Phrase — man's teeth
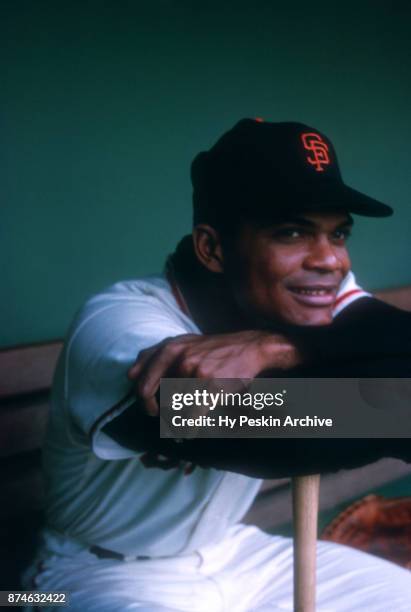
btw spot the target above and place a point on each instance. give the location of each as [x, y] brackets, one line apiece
[312, 291]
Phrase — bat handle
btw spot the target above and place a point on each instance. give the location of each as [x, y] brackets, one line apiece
[305, 492]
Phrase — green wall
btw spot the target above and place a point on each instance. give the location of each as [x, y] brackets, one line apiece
[104, 104]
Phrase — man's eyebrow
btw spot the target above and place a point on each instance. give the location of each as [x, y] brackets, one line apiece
[297, 221]
[348, 222]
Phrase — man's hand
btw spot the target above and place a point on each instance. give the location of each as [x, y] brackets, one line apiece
[237, 355]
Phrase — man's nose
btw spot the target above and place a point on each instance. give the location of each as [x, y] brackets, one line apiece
[322, 255]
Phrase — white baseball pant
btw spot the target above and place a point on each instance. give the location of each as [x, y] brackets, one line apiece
[248, 570]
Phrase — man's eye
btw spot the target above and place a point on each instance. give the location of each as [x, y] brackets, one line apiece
[341, 234]
[289, 233]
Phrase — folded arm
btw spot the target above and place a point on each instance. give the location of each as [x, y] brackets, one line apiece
[355, 345]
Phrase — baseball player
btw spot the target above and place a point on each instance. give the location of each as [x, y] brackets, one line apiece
[264, 285]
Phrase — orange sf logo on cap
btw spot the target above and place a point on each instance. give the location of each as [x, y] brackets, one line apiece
[318, 149]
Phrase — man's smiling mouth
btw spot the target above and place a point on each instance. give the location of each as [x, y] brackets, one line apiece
[315, 295]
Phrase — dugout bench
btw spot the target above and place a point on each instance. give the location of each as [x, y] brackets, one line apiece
[25, 379]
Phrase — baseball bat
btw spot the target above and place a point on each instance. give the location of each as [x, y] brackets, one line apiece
[305, 494]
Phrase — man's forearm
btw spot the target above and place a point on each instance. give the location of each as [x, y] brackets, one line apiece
[367, 330]
[259, 458]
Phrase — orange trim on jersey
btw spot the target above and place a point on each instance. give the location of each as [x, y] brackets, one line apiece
[344, 296]
[106, 413]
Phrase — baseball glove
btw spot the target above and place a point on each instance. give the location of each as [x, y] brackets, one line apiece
[377, 525]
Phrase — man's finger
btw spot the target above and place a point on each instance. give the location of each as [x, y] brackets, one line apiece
[141, 361]
[155, 368]
[147, 353]
[151, 406]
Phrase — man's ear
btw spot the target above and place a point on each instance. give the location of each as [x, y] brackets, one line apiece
[207, 245]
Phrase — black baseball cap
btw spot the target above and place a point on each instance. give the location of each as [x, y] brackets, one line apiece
[262, 170]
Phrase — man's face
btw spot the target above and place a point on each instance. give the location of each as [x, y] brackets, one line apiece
[290, 271]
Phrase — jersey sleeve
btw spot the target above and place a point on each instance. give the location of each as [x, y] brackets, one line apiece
[107, 340]
[367, 339]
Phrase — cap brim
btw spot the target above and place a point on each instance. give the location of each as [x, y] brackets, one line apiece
[361, 204]
[340, 197]
[269, 203]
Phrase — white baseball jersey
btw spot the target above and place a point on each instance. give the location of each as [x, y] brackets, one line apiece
[193, 555]
[100, 493]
